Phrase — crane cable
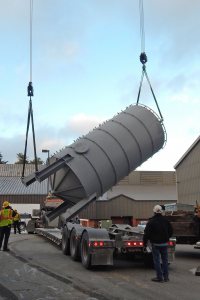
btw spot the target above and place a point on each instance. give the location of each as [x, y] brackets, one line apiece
[30, 109]
[143, 58]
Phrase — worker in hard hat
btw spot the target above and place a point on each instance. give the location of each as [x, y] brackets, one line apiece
[158, 231]
[16, 221]
[5, 225]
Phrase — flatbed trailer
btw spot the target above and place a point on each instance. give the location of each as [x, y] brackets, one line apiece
[53, 234]
[98, 246]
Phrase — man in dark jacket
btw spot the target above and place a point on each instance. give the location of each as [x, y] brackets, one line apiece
[158, 231]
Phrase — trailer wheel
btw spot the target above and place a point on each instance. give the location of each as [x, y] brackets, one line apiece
[65, 241]
[85, 255]
[22, 226]
[74, 246]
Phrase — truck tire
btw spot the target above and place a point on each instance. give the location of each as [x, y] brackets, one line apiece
[65, 241]
[74, 245]
[22, 226]
[30, 227]
[85, 255]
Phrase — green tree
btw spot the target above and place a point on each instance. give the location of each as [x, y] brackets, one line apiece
[1, 159]
[20, 157]
[39, 161]
[20, 160]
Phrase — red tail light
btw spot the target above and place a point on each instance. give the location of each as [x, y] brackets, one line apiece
[171, 243]
[133, 244]
[99, 244]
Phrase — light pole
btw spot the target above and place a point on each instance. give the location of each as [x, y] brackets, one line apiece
[47, 151]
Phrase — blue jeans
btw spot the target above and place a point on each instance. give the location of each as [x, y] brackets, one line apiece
[160, 259]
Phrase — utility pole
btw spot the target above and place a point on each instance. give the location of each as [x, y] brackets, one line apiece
[47, 151]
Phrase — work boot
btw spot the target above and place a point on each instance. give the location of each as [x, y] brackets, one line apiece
[6, 249]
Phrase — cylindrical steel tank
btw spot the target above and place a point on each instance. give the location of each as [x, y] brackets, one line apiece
[108, 153]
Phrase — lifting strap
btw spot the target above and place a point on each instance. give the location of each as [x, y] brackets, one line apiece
[143, 59]
[30, 109]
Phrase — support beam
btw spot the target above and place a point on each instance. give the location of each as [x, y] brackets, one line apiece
[69, 210]
[46, 171]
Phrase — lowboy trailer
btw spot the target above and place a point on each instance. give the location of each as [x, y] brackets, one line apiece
[98, 246]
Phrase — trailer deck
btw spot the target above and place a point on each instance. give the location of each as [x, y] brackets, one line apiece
[53, 234]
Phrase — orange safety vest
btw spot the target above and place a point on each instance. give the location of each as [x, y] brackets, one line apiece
[5, 217]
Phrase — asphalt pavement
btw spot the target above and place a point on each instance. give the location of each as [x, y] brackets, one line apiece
[36, 269]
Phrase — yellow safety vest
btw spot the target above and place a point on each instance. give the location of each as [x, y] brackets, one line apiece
[5, 217]
[16, 217]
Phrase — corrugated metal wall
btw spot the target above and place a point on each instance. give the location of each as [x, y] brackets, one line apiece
[149, 178]
[12, 189]
[15, 170]
[24, 199]
[119, 207]
[188, 177]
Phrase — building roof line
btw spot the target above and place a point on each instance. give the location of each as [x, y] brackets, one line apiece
[132, 199]
[187, 152]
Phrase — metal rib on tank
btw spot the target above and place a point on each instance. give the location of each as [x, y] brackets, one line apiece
[108, 153]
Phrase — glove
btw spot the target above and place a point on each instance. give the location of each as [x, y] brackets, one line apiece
[145, 249]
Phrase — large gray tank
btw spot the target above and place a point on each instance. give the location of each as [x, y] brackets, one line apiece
[98, 160]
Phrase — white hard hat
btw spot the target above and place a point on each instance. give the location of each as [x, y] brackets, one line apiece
[157, 209]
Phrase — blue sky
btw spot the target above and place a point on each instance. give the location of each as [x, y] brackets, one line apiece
[86, 68]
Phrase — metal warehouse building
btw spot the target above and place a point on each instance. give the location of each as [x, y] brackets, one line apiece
[14, 191]
[134, 197]
[188, 175]
[131, 200]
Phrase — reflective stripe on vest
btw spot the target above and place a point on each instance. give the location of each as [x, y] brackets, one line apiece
[5, 217]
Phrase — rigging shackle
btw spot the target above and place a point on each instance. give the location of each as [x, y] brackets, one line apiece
[30, 89]
[143, 58]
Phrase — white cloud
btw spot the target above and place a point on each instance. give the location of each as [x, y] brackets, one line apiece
[81, 123]
[185, 97]
[82, 50]
[49, 137]
[166, 158]
[66, 50]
